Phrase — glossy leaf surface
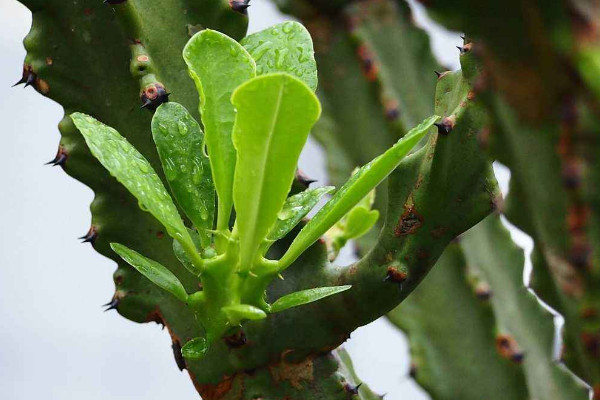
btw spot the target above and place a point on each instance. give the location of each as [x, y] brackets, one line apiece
[180, 144]
[275, 113]
[306, 296]
[218, 64]
[155, 272]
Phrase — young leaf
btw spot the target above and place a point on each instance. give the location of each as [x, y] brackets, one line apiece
[294, 209]
[305, 296]
[195, 349]
[218, 64]
[275, 113]
[241, 312]
[180, 144]
[359, 221]
[130, 168]
[155, 272]
[353, 191]
[285, 47]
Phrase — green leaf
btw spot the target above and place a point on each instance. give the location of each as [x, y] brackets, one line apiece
[155, 272]
[306, 296]
[353, 191]
[218, 65]
[294, 209]
[285, 47]
[180, 144]
[130, 168]
[195, 349]
[274, 116]
[359, 221]
[240, 312]
[182, 255]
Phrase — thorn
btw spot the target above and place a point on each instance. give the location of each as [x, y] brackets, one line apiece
[179, 360]
[22, 80]
[90, 236]
[30, 80]
[303, 180]
[112, 304]
[153, 96]
[352, 389]
[114, 2]
[461, 49]
[60, 158]
[240, 6]
[446, 126]
[438, 74]
[412, 372]
[395, 275]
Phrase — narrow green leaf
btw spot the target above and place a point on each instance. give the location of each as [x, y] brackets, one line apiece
[274, 116]
[180, 144]
[353, 191]
[294, 209]
[195, 349]
[130, 168]
[306, 296]
[241, 312]
[218, 65]
[285, 47]
[155, 272]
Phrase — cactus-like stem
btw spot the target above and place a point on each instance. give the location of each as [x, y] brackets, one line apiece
[544, 110]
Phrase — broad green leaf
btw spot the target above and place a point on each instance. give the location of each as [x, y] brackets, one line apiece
[275, 113]
[155, 272]
[195, 349]
[353, 191]
[218, 65]
[180, 144]
[294, 209]
[182, 255]
[130, 168]
[285, 47]
[305, 296]
[241, 312]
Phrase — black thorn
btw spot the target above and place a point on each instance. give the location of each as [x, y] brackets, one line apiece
[59, 159]
[240, 6]
[179, 360]
[461, 49]
[153, 96]
[352, 389]
[30, 80]
[113, 2]
[112, 304]
[90, 236]
[438, 74]
[304, 180]
[443, 128]
[21, 81]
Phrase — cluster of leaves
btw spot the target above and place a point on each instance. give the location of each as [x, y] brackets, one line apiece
[258, 106]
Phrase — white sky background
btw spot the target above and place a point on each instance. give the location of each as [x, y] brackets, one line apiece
[55, 341]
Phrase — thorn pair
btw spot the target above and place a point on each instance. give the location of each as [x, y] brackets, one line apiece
[59, 159]
[28, 77]
[90, 236]
[112, 304]
[114, 2]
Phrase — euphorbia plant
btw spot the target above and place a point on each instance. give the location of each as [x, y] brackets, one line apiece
[258, 106]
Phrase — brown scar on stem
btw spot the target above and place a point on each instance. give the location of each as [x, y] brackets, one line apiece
[410, 221]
